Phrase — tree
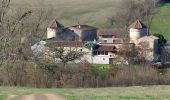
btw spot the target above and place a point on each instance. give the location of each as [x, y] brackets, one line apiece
[162, 40]
[4, 5]
[66, 56]
[19, 29]
[130, 10]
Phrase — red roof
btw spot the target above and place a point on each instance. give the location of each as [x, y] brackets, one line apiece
[54, 43]
[106, 32]
[137, 25]
[84, 27]
[55, 24]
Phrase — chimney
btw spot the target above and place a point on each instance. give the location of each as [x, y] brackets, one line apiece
[79, 26]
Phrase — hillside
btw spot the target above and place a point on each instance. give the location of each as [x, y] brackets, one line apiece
[113, 93]
[71, 12]
[161, 21]
[92, 12]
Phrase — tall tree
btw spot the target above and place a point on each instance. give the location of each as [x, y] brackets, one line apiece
[130, 10]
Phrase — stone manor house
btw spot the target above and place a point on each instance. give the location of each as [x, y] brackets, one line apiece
[106, 43]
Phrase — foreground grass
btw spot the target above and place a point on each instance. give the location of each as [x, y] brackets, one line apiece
[113, 93]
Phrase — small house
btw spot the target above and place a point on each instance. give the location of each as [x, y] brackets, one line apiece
[56, 30]
[149, 47]
[108, 36]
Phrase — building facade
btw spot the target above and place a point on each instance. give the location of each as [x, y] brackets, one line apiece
[137, 30]
[85, 32]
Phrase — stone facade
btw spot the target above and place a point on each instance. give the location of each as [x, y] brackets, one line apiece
[85, 32]
[137, 30]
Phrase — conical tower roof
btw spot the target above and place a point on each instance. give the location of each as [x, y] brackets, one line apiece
[55, 24]
[137, 25]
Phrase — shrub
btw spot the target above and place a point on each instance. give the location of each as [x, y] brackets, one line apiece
[85, 75]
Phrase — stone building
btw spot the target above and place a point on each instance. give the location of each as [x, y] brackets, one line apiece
[60, 33]
[150, 47]
[108, 53]
[107, 42]
[85, 32]
[137, 30]
[74, 33]
[109, 36]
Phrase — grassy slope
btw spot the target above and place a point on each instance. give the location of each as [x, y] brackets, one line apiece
[161, 22]
[92, 12]
[114, 93]
[71, 12]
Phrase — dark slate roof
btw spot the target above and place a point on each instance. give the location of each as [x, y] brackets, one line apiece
[104, 48]
[137, 25]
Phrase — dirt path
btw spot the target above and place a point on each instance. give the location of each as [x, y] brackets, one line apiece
[36, 97]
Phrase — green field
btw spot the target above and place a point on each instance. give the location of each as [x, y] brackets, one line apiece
[161, 22]
[113, 93]
[70, 12]
[92, 12]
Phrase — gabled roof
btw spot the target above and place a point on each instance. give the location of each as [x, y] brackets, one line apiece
[55, 24]
[148, 38]
[137, 25]
[104, 48]
[154, 37]
[83, 27]
[65, 44]
[106, 32]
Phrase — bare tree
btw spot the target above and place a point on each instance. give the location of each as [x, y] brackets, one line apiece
[18, 31]
[4, 5]
[130, 10]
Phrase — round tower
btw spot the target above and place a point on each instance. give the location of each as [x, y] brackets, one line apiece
[53, 28]
[51, 33]
[137, 30]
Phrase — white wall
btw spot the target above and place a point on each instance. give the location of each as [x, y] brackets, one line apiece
[51, 33]
[101, 59]
[109, 40]
[135, 34]
[151, 51]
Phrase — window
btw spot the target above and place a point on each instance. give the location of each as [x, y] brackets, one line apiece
[105, 41]
[107, 36]
[98, 53]
[114, 51]
[94, 52]
[106, 52]
[102, 53]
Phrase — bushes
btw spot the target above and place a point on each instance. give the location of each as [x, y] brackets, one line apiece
[86, 75]
[141, 76]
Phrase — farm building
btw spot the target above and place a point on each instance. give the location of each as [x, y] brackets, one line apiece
[73, 33]
[102, 46]
[149, 46]
[85, 32]
[109, 36]
[137, 30]
[57, 31]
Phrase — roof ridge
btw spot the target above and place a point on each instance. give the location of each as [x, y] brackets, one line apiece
[55, 24]
[137, 24]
